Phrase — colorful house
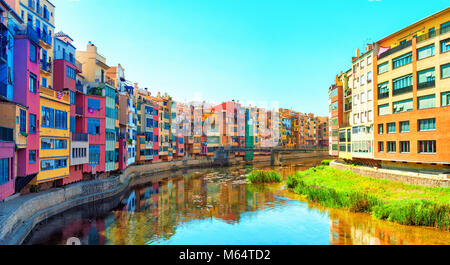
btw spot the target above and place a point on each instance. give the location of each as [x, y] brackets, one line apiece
[65, 71]
[26, 93]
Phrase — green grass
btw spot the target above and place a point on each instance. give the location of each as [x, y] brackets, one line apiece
[384, 199]
[325, 162]
[264, 176]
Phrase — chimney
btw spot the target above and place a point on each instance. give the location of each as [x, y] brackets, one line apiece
[369, 47]
[357, 53]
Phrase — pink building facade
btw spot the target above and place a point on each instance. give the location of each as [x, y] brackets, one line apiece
[26, 92]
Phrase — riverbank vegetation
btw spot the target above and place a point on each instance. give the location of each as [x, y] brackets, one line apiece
[384, 199]
[264, 176]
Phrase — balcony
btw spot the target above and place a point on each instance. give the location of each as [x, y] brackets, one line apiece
[348, 107]
[45, 37]
[28, 31]
[383, 95]
[402, 90]
[6, 134]
[395, 49]
[46, 66]
[80, 137]
[426, 85]
[55, 95]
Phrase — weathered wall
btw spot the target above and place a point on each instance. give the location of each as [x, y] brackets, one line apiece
[413, 178]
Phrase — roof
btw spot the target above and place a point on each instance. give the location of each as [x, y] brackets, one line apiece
[416, 24]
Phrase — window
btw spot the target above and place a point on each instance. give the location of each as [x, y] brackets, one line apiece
[60, 163]
[369, 77]
[445, 45]
[369, 95]
[427, 102]
[380, 128]
[94, 154]
[391, 147]
[404, 146]
[94, 103]
[72, 98]
[425, 52]
[427, 125]
[380, 147]
[32, 122]
[404, 126]
[383, 90]
[445, 71]
[402, 82]
[391, 127]
[32, 156]
[384, 67]
[402, 60]
[33, 83]
[334, 105]
[33, 53]
[427, 147]
[4, 170]
[60, 144]
[44, 82]
[60, 119]
[47, 165]
[47, 117]
[425, 77]
[149, 123]
[70, 72]
[23, 121]
[93, 126]
[383, 110]
[369, 60]
[445, 99]
[403, 106]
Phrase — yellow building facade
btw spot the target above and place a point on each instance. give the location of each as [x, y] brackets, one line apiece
[54, 138]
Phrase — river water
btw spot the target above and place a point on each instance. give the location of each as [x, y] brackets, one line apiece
[218, 207]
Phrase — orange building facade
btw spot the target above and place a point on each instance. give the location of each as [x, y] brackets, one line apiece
[412, 94]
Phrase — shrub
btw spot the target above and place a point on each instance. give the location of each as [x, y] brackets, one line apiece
[325, 162]
[264, 176]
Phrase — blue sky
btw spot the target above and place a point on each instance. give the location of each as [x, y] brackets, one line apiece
[255, 51]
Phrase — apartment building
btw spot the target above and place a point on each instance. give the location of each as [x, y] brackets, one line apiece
[335, 99]
[361, 87]
[412, 94]
[97, 102]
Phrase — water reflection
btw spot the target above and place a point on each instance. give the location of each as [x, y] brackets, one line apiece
[218, 207]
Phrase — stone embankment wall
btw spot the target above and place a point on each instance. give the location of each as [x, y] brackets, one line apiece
[20, 215]
[414, 178]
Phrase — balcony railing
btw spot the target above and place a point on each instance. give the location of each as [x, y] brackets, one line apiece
[426, 85]
[383, 95]
[395, 49]
[402, 90]
[46, 66]
[27, 30]
[45, 37]
[6, 134]
[80, 137]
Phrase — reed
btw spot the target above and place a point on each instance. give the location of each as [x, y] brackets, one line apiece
[264, 176]
[384, 199]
